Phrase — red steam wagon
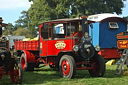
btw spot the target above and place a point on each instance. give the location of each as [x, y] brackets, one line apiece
[67, 49]
[8, 63]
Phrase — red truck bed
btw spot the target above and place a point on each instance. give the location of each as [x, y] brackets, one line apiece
[27, 45]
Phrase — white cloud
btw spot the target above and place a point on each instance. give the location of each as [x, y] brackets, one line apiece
[126, 2]
[10, 4]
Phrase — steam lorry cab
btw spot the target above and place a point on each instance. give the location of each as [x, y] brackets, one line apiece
[67, 51]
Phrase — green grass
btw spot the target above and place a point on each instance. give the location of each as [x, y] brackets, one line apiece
[47, 76]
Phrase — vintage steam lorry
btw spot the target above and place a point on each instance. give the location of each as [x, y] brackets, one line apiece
[67, 51]
[8, 64]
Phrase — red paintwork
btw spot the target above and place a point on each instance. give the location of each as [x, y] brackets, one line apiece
[65, 67]
[29, 56]
[48, 46]
[122, 37]
[27, 45]
[50, 49]
[23, 63]
[109, 53]
[41, 41]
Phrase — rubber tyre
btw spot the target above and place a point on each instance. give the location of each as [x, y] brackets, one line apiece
[99, 66]
[26, 66]
[21, 74]
[67, 66]
[16, 73]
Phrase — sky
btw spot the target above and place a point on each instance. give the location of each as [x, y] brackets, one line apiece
[10, 10]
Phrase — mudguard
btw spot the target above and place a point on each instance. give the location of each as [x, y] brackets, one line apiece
[30, 57]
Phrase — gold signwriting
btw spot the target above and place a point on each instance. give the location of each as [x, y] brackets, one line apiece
[122, 44]
[60, 45]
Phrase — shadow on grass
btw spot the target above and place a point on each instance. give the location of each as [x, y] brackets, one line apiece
[49, 76]
[85, 74]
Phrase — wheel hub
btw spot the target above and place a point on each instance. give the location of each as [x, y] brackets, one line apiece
[65, 67]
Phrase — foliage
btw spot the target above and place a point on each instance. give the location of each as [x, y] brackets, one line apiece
[24, 22]
[23, 32]
[18, 30]
[126, 17]
[44, 10]
[9, 29]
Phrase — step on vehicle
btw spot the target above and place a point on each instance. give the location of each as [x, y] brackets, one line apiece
[63, 44]
[8, 64]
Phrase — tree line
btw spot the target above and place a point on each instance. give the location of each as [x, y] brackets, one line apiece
[44, 10]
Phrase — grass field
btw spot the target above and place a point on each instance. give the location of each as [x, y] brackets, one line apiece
[47, 76]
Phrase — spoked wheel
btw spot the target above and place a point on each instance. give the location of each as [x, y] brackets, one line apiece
[67, 66]
[98, 66]
[16, 73]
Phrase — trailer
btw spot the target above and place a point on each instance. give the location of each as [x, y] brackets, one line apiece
[106, 27]
[67, 51]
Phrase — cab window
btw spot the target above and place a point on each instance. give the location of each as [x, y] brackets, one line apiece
[44, 31]
[58, 31]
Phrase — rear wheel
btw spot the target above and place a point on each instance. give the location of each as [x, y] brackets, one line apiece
[98, 66]
[16, 73]
[67, 66]
[26, 65]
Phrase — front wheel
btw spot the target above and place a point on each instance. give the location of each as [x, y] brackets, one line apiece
[98, 65]
[67, 66]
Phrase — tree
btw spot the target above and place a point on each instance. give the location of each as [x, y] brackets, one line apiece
[8, 30]
[126, 17]
[24, 22]
[44, 10]
[23, 32]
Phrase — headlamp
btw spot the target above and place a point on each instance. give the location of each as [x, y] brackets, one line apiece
[75, 48]
[97, 48]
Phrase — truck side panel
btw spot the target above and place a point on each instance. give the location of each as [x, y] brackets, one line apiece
[27, 45]
[50, 47]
